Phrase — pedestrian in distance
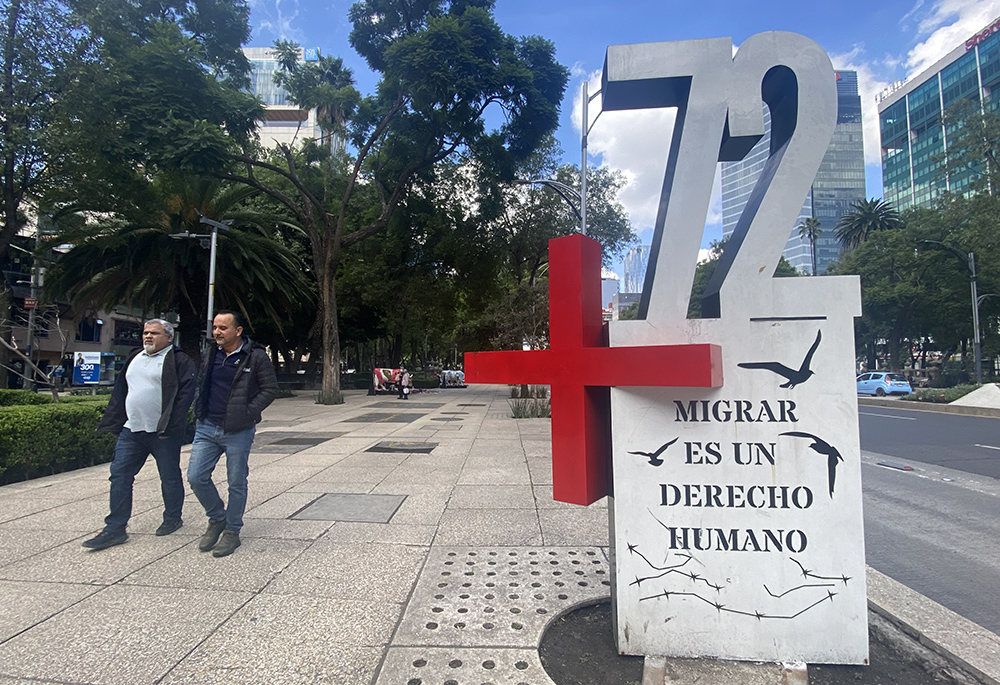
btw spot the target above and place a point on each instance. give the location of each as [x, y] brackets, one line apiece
[148, 412]
[236, 383]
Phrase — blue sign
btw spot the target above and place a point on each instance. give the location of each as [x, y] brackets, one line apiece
[311, 54]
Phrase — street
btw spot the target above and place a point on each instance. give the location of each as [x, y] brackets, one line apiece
[934, 528]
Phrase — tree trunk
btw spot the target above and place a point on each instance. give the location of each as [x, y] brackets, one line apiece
[330, 389]
[5, 331]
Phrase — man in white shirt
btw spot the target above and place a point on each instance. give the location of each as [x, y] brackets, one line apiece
[148, 412]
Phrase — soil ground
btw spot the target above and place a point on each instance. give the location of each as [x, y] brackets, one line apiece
[579, 649]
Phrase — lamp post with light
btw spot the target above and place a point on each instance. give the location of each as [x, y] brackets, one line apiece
[969, 262]
[213, 239]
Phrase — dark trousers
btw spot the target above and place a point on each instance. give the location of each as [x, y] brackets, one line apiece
[131, 451]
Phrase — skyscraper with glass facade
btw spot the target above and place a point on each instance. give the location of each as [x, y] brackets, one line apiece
[839, 183]
[914, 136]
[284, 123]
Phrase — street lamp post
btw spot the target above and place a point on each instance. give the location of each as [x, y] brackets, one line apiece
[213, 242]
[969, 262]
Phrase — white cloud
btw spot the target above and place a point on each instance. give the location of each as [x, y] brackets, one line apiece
[947, 24]
[278, 18]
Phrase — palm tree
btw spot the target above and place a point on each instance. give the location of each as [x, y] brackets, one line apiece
[865, 218]
[810, 230]
[134, 261]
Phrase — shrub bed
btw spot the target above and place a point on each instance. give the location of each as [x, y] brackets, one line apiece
[9, 398]
[940, 395]
[46, 438]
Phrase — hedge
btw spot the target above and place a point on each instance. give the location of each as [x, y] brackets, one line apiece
[42, 439]
[9, 398]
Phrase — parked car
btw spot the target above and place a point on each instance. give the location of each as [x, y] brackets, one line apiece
[882, 384]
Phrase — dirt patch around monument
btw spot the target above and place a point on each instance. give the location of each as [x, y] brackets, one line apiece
[579, 649]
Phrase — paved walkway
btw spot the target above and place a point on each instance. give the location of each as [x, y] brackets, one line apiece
[456, 587]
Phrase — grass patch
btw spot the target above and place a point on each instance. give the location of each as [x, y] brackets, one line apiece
[530, 408]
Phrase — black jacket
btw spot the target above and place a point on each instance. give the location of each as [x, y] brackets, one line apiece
[254, 387]
[177, 385]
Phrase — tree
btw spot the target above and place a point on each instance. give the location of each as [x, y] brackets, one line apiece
[135, 260]
[443, 66]
[865, 218]
[704, 271]
[973, 155]
[810, 230]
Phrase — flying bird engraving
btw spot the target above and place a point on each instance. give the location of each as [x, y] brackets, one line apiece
[822, 447]
[654, 457]
[794, 377]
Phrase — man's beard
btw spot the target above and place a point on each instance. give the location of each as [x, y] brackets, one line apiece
[149, 347]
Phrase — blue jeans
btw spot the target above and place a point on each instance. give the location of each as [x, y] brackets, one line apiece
[210, 441]
[131, 451]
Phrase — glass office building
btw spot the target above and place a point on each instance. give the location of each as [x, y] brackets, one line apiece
[284, 123]
[913, 134]
[839, 183]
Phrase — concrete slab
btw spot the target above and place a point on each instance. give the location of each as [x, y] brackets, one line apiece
[281, 506]
[29, 603]
[82, 516]
[492, 497]
[392, 533]
[119, 635]
[367, 508]
[71, 563]
[285, 530]
[295, 640]
[15, 545]
[514, 527]
[563, 527]
[377, 572]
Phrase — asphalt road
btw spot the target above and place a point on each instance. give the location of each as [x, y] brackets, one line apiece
[935, 528]
[966, 443]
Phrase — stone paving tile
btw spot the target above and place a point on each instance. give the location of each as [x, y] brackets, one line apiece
[540, 470]
[471, 665]
[83, 516]
[251, 567]
[419, 508]
[119, 635]
[284, 530]
[376, 572]
[499, 475]
[588, 527]
[281, 506]
[295, 640]
[16, 545]
[15, 506]
[279, 472]
[27, 603]
[343, 445]
[489, 527]
[492, 497]
[71, 563]
[543, 500]
[391, 533]
[320, 487]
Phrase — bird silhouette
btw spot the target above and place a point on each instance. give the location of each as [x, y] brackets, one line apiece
[823, 447]
[794, 377]
[654, 457]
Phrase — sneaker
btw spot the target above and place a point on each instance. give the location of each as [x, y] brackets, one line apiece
[228, 544]
[105, 539]
[169, 526]
[211, 535]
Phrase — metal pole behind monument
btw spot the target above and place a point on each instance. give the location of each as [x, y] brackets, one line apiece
[583, 161]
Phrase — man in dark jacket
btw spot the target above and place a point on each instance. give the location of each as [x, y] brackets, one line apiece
[148, 412]
[236, 383]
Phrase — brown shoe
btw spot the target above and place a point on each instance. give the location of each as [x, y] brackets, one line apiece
[211, 535]
[228, 544]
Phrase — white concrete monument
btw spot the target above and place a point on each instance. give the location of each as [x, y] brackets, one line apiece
[737, 514]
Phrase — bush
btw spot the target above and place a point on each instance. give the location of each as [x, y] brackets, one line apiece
[50, 438]
[10, 398]
[530, 408]
[940, 395]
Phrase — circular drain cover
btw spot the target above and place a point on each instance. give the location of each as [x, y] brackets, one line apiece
[587, 631]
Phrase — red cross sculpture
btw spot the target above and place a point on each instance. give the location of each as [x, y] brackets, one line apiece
[580, 367]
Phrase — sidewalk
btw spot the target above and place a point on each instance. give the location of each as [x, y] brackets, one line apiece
[457, 586]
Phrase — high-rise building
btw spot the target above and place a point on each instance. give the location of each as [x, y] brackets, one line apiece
[914, 137]
[284, 123]
[635, 269]
[839, 183]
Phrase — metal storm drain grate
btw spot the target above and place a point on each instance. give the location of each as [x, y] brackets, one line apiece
[351, 507]
[477, 614]
[446, 418]
[472, 405]
[385, 417]
[404, 447]
[410, 404]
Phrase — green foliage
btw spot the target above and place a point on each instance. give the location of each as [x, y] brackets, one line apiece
[531, 408]
[630, 313]
[705, 270]
[940, 395]
[37, 440]
[866, 218]
[9, 398]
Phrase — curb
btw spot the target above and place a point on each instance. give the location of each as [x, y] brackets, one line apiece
[986, 412]
[957, 639]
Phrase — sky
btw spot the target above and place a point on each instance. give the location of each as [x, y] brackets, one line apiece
[883, 40]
